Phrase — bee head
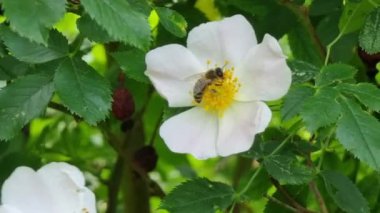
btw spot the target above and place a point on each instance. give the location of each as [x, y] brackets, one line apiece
[219, 72]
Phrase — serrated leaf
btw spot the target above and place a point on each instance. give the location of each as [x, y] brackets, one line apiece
[345, 194]
[366, 93]
[172, 21]
[33, 19]
[369, 38]
[294, 100]
[23, 100]
[321, 109]
[120, 20]
[335, 73]
[142, 6]
[287, 170]
[10, 68]
[31, 52]
[132, 62]
[83, 90]
[359, 133]
[90, 29]
[198, 195]
[302, 71]
[353, 16]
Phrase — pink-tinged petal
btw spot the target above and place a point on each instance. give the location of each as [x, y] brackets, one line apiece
[218, 41]
[264, 74]
[239, 125]
[169, 68]
[65, 183]
[193, 131]
[8, 209]
[26, 191]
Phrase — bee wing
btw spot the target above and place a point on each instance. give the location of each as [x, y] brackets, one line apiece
[194, 77]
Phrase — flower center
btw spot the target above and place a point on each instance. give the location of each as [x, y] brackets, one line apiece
[220, 92]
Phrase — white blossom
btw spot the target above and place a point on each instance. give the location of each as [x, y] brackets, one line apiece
[231, 111]
[54, 188]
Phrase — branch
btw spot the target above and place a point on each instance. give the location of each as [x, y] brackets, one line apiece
[279, 202]
[114, 185]
[291, 200]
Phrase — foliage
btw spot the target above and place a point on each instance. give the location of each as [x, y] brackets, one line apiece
[61, 61]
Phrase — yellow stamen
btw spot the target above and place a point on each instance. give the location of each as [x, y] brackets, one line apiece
[219, 95]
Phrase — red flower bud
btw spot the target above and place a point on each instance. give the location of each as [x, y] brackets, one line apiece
[145, 158]
[123, 105]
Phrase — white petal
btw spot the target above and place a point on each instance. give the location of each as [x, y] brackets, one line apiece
[239, 125]
[168, 68]
[87, 201]
[218, 41]
[8, 209]
[26, 191]
[264, 74]
[193, 131]
[65, 183]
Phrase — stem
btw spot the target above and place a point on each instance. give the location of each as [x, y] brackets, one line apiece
[318, 196]
[314, 188]
[291, 200]
[245, 189]
[341, 33]
[330, 45]
[324, 144]
[114, 185]
[279, 202]
[156, 127]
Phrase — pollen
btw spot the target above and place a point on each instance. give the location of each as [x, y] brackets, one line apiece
[219, 95]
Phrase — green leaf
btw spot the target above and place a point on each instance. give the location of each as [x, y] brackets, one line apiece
[294, 100]
[366, 93]
[90, 29]
[324, 7]
[359, 133]
[287, 170]
[345, 194]
[132, 62]
[120, 20]
[198, 195]
[369, 38]
[23, 100]
[31, 52]
[10, 68]
[172, 21]
[33, 19]
[83, 90]
[354, 15]
[302, 71]
[335, 73]
[321, 109]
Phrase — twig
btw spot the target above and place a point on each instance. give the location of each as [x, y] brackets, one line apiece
[279, 202]
[155, 131]
[291, 200]
[314, 188]
[322, 206]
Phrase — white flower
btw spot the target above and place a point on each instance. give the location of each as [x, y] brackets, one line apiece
[231, 111]
[54, 188]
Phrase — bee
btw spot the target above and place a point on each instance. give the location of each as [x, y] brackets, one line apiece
[202, 83]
